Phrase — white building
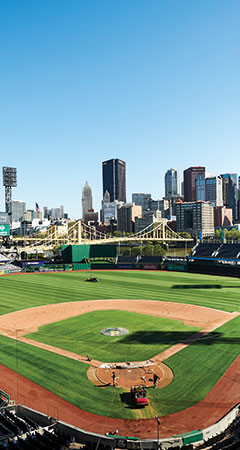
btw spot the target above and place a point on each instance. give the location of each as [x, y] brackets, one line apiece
[214, 190]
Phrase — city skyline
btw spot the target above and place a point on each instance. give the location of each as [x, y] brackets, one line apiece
[208, 178]
[156, 85]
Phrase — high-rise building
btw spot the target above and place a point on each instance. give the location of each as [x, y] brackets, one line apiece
[172, 183]
[126, 215]
[200, 189]
[143, 200]
[53, 213]
[109, 209]
[222, 216]
[230, 192]
[190, 176]
[18, 210]
[30, 214]
[86, 200]
[196, 218]
[114, 179]
[213, 190]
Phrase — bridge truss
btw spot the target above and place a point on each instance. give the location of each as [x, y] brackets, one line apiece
[81, 233]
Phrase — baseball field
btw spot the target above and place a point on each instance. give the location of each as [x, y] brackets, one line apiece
[151, 305]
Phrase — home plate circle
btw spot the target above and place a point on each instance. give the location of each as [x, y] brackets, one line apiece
[129, 373]
[114, 331]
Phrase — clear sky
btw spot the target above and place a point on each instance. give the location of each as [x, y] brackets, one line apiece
[155, 83]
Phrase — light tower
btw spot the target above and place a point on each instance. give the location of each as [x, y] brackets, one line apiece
[9, 181]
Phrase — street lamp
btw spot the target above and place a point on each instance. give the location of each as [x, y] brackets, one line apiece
[158, 423]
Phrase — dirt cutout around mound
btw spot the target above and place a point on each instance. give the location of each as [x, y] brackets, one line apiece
[208, 411]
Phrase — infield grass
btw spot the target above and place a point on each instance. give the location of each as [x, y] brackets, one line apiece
[148, 335]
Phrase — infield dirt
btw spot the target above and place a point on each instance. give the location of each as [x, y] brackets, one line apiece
[203, 414]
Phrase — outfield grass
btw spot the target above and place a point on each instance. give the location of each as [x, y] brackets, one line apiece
[148, 335]
[196, 368]
[25, 291]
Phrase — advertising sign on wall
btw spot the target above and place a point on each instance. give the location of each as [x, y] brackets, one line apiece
[126, 266]
[4, 230]
[150, 266]
[4, 218]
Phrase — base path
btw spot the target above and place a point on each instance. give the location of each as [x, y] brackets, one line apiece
[26, 321]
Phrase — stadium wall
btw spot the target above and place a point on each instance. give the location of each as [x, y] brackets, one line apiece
[112, 442]
[77, 253]
[214, 268]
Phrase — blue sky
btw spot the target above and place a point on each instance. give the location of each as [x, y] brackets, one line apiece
[155, 83]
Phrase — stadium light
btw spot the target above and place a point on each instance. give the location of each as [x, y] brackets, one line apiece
[9, 176]
[9, 181]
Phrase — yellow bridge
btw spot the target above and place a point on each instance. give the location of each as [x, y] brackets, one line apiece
[80, 233]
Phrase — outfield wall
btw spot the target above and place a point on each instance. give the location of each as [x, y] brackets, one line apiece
[79, 253]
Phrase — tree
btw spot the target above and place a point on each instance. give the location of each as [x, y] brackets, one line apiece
[125, 250]
[233, 234]
[117, 233]
[136, 251]
[148, 250]
[218, 233]
[158, 250]
[185, 235]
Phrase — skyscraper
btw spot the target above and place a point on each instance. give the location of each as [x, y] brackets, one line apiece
[200, 189]
[86, 200]
[114, 179]
[230, 193]
[172, 183]
[190, 176]
[18, 210]
[213, 190]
